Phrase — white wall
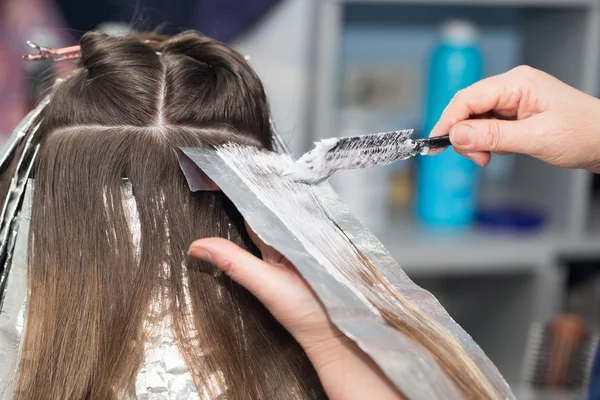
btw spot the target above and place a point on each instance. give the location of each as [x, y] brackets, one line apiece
[279, 50]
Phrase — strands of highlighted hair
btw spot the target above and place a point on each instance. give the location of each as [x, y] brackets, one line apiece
[300, 210]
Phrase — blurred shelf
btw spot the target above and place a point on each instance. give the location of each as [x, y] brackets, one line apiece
[422, 252]
[481, 3]
[587, 247]
[594, 217]
[523, 392]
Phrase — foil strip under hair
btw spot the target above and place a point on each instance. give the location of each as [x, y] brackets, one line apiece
[12, 314]
[163, 374]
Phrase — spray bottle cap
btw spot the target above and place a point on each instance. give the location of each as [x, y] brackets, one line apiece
[459, 32]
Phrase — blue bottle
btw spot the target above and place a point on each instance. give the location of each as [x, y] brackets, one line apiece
[447, 183]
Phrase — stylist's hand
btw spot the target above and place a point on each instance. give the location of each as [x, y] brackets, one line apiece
[345, 371]
[524, 111]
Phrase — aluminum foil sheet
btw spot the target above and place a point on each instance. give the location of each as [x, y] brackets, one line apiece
[370, 246]
[382, 259]
[407, 364]
[10, 211]
[10, 207]
[12, 317]
[14, 231]
[163, 375]
[20, 131]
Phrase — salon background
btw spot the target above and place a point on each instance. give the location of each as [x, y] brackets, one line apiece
[527, 254]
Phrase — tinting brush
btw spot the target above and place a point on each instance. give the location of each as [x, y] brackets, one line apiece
[363, 151]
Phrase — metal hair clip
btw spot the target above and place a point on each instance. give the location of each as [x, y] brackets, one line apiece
[62, 54]
[51, 54]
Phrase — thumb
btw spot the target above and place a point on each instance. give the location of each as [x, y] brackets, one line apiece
[491, 135]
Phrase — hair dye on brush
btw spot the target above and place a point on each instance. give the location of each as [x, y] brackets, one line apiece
[362, 151]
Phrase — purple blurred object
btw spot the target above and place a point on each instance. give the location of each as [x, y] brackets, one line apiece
[20, 84]
[226, 19]
[510, 219]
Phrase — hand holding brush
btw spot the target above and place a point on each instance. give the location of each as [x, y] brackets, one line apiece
[521, 111]
[524, 111]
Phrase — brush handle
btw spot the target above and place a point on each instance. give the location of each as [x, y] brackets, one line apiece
[436, 142]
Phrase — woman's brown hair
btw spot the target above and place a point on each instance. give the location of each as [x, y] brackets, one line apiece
[103, 273]
[96, 280]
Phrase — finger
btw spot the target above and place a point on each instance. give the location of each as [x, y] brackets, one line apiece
[501, 153]
[268, 282]
[269, 254]
[481, 158]
[479, 98]
[435, 151]
[493, 135]
[500, 96]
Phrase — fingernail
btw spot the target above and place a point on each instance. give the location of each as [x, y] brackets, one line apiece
[434, 152]
[471, 156]
[197, 251]
[462, 135]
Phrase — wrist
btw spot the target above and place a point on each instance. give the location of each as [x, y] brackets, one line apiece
[347, 372]
[326, 351]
